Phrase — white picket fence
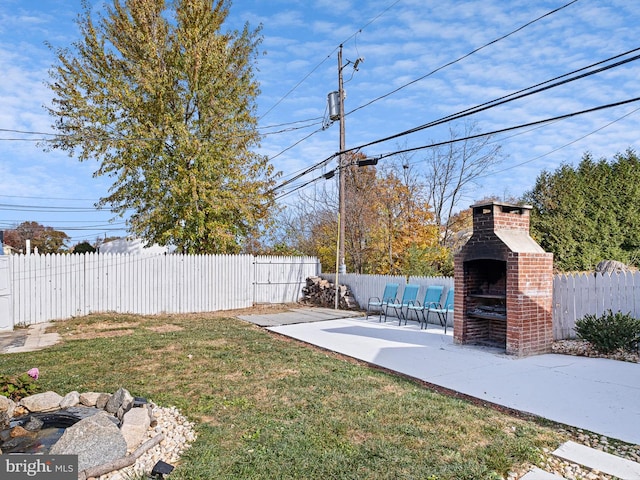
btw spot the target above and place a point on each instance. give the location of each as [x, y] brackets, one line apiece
[363, 287]
[575, 296]
[52, 287]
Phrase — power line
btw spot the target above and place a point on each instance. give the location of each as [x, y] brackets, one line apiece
[509, 98]
[279, 125]
[480, 135]
[537, 88]
[511, 167]
[313, 70]
[508, 129]
[44, 208]
[296, 143]
[50, 198]
[463, 57]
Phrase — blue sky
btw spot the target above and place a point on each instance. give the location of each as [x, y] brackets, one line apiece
[401, 41]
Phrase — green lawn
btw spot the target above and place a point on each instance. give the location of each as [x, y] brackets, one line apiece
[271, 408]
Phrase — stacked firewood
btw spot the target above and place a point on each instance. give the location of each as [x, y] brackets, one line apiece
[322, 293]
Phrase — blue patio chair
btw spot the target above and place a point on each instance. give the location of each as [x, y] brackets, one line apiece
[444, 309]
[408, 298]
[389, 295]
[431, 300]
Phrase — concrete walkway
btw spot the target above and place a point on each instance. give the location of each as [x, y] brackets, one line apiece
[28, 339]
[599, 395]
[298, 315]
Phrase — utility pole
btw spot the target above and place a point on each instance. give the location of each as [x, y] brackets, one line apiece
[336, 112]
[341, 172]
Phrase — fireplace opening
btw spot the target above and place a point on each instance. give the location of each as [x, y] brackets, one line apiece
[486, 291]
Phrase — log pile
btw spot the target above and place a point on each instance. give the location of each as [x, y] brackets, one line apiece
[322, 293]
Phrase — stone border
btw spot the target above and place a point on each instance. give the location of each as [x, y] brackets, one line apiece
[132, 434]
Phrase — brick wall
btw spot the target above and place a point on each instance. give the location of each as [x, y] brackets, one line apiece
[529, 303]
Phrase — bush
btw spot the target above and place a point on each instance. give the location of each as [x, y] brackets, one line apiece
[16, 387]
[609, 332]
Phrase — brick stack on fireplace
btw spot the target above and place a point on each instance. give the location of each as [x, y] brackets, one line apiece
[503, 284]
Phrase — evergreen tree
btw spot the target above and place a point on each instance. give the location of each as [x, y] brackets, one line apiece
[589, 213]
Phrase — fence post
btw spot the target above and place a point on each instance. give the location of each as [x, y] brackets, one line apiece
[6, 312]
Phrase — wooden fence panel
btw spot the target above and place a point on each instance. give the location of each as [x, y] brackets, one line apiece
[582, 294]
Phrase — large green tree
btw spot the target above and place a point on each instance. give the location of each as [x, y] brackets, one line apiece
[165, 101]
[589, 213]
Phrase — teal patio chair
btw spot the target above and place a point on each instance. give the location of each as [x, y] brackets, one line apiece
[431, 300]
[408, 298]
[388, 296]
[444, 309]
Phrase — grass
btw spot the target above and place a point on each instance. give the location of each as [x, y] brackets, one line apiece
[268, 407]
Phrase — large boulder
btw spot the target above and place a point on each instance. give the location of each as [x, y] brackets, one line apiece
[96, 440]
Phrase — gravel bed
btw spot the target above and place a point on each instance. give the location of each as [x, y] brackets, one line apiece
[585, 349]
[178, 433]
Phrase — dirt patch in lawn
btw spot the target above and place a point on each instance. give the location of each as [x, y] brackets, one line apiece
[166, 328]
[99, 330]
[100, 334]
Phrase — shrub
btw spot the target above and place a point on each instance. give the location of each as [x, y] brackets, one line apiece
[609, 332]
[17, 387]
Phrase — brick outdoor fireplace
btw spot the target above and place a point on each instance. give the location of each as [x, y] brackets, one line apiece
[503, 284]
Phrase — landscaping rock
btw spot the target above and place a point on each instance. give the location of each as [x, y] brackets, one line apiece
[89, 399]
[7, 407]
[102, 400]
[18, 431]
[96, 440]
[82, 412]
[135, 424]
[119, 403]
[611, 266]
[42, 402]
[33, 424]
[71, 399]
